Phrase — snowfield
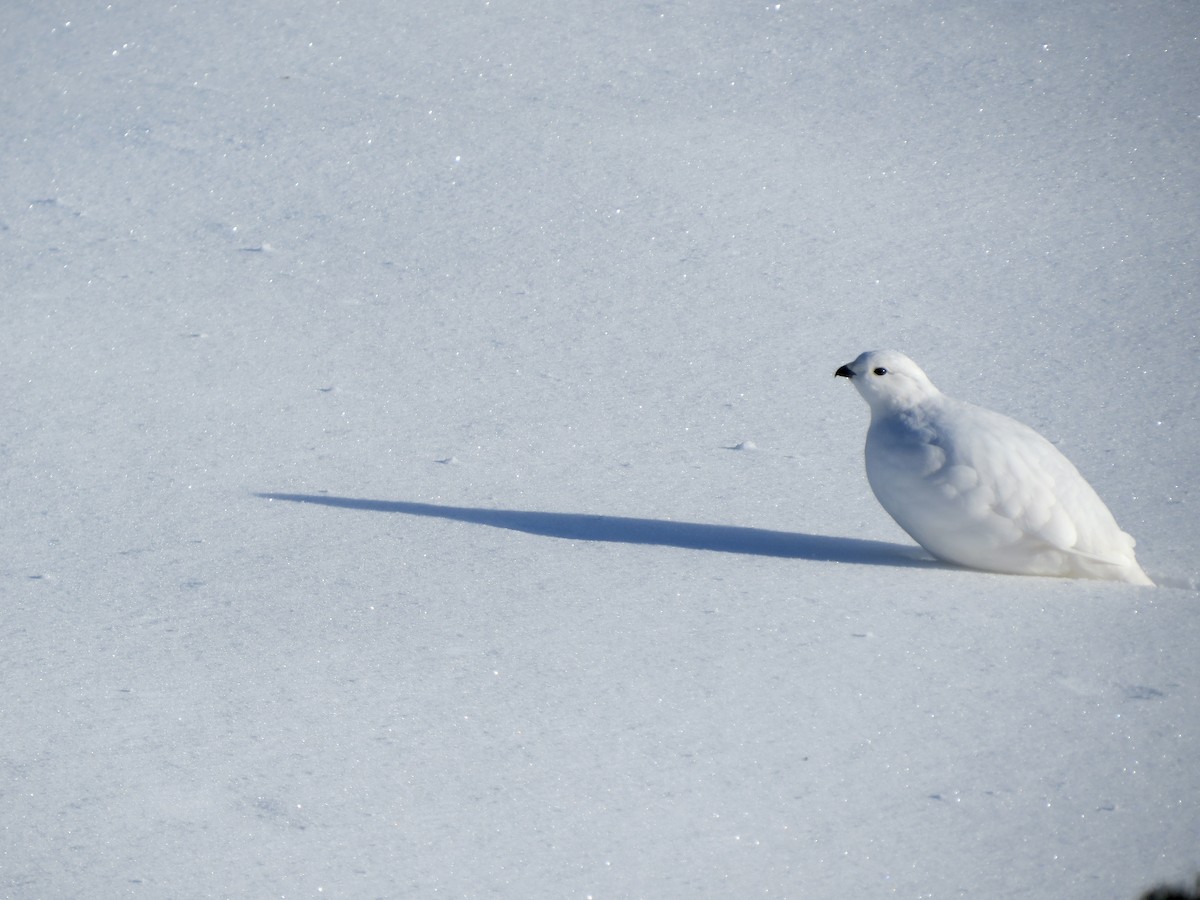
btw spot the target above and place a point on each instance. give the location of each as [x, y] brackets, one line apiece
[425, 475]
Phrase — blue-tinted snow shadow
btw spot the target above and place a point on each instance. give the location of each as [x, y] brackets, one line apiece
[624, 530]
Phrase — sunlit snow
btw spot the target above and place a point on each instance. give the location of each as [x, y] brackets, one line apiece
[425, 475]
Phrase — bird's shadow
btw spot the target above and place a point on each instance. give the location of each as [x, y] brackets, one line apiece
[658, 532]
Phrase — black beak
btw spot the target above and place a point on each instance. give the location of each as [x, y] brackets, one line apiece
[844, 372]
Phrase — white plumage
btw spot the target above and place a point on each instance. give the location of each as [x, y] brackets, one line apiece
[977, 488]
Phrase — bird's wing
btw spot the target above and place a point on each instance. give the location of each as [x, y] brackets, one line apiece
[1031, 484]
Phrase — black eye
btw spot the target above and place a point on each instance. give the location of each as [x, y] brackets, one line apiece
[880, 370]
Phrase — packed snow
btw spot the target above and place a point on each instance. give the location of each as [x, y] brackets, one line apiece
[425, 474]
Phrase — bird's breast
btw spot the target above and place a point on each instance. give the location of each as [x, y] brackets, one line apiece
[903, 446]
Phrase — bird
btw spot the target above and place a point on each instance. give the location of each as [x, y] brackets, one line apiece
[978, 489]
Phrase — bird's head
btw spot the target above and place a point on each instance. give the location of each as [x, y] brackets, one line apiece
[888, 380]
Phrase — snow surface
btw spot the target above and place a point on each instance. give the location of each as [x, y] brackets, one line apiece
[425, 476]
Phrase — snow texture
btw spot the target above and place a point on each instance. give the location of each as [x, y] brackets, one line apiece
[424, 475]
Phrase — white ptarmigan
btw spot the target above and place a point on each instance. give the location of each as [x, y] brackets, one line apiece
[976, 488]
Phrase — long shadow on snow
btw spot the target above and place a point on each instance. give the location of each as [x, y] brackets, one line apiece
[623, 530]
